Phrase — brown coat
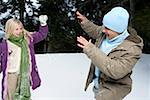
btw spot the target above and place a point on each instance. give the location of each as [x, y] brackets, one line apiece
[116, 67]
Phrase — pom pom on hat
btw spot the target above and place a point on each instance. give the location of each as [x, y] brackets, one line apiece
[116, 19]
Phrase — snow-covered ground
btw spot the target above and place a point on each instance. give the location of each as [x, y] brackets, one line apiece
[64, 74]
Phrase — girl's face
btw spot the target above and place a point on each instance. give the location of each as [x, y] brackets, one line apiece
[109, 33]
[18, 29]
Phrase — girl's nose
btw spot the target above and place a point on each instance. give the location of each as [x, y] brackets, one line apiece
[20, 31]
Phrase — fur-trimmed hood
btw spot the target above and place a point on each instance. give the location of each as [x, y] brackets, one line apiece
[133, 37]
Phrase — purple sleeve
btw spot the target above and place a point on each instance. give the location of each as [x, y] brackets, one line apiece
[0, 56]
[40, 35]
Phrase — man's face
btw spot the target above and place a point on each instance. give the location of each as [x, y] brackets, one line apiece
[109, 33]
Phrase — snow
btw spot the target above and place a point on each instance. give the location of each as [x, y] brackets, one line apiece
[64, 75]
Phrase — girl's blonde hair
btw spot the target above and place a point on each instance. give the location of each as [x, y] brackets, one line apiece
[11, 25]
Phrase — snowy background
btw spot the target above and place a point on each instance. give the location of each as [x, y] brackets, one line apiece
[64, 74]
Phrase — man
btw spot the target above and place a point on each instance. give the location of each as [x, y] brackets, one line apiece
[116, 51]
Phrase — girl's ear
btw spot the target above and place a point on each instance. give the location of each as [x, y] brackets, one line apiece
[25, 32]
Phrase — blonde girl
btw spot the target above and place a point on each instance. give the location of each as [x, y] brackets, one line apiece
[18, 59]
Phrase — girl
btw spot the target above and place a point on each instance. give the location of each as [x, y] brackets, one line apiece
[18, 59]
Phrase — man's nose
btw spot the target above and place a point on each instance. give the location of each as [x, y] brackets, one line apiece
[104, 30]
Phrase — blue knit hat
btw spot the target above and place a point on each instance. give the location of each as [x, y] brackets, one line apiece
[116, 19]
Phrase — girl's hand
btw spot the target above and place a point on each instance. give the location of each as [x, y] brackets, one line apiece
[82, 42]
[43, 20]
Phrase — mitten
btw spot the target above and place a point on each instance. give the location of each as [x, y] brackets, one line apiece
[43, 19]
